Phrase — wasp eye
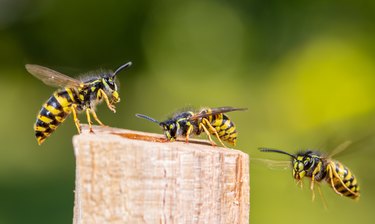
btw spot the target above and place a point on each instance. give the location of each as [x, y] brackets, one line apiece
[300, 166]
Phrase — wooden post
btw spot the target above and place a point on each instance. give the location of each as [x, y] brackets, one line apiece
[125, 176]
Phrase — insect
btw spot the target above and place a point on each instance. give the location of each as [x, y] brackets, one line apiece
[318, 167]
[212, 121]
[74, 96]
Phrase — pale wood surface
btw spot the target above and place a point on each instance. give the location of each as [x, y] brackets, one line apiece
[122, 180]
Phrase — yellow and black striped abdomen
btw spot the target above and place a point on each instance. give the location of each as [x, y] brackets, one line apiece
[224, 127]
[344, 180]
[53, 113]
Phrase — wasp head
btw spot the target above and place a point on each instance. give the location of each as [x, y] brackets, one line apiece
[303, 163]
[170, 129]
[110, 85]
[111, 89]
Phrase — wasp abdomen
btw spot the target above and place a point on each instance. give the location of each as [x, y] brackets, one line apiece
[224, 127]
[53, 113]
[345, 182]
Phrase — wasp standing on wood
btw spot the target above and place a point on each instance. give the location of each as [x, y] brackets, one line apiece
[75, 96]
[212, 121]
[318, 167]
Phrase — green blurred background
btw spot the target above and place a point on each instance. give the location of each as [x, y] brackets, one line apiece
[304, 69]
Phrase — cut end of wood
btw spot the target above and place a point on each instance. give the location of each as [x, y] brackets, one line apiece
[125, 176]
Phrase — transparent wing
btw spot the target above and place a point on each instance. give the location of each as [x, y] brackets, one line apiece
[274, 164]
[340, 148]
[214, 111]
[51, 77]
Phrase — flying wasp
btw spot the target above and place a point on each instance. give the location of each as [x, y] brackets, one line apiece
[212, 121]
[74, 96]
[318, 167]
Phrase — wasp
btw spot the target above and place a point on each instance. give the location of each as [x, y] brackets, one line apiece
[74, 95]
[212, 121]
[319, 167]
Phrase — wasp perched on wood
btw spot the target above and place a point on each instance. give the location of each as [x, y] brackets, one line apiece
[212, 121]
[75, 96]
[318, 167]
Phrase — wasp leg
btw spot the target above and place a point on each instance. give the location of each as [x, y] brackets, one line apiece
[110, 106]
[312, 187]
[96, 117]
[316, 170]
[76, 121]
[201, 125]
[300, 183]
[322, 197]
[188, 132]
[89, 119]
[330, 174]
[213, 130]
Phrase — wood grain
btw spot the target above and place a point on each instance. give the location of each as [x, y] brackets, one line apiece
[124, 176]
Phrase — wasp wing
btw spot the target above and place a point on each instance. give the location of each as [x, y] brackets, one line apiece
[51, 77]
[214, 111]
[340, 148]
[274, 164]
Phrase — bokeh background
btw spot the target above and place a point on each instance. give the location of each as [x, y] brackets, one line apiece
[305, 70]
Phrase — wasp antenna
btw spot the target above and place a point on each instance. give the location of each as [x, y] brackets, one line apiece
[147, 118]
[277, 151]
[122, 67]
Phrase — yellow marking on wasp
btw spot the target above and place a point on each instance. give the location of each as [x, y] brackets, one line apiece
[226, 125]
[115, 95]
[59, 119]
[62, 100]
[52, 109]
[52, 126]
[349, 175]
[217, 123]
[39, 128]
[221, 133]
[69, 91]
[40, 140]
[354, 182]
[233, 135]
[224, 137]
[231, 129]
[45, 119]
[67, 110]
